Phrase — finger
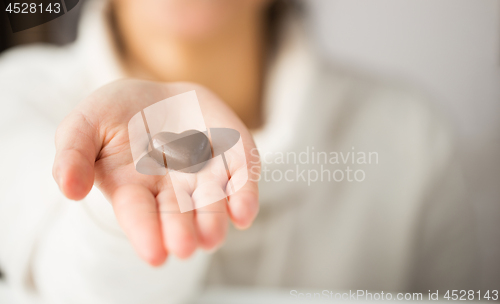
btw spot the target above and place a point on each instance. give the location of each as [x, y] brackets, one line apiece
[210, 199]
[243, 199]
[179, 234]
[211, 224]
[244, 204]
[136, 212]
[77, 145]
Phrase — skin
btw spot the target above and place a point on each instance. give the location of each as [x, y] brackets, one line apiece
[93, 148]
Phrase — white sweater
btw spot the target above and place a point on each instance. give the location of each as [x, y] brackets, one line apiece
[405, 225]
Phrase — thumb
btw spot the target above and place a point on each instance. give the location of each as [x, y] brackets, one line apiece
[77, 146]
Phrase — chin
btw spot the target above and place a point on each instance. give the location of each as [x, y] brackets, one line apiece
[193, 28]
[191, 19]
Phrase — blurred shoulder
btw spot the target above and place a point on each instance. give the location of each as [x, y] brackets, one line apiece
[363, 89]
[384, 110]
[45, 76]
[37, 58]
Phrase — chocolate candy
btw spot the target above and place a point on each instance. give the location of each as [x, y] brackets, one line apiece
[186, 152]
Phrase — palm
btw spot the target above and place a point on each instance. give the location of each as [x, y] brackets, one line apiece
[93, 147]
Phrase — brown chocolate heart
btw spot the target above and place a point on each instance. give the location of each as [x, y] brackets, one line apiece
[186, 152]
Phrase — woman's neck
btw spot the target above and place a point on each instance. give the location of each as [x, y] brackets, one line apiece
[229, 63]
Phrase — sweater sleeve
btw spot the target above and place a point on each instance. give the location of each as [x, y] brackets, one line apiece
[447, 256]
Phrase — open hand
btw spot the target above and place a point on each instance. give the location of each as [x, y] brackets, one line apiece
[93, 147]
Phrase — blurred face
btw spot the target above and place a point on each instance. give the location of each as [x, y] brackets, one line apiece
[189, 19]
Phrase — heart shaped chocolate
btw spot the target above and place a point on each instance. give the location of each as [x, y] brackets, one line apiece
[186, 152]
